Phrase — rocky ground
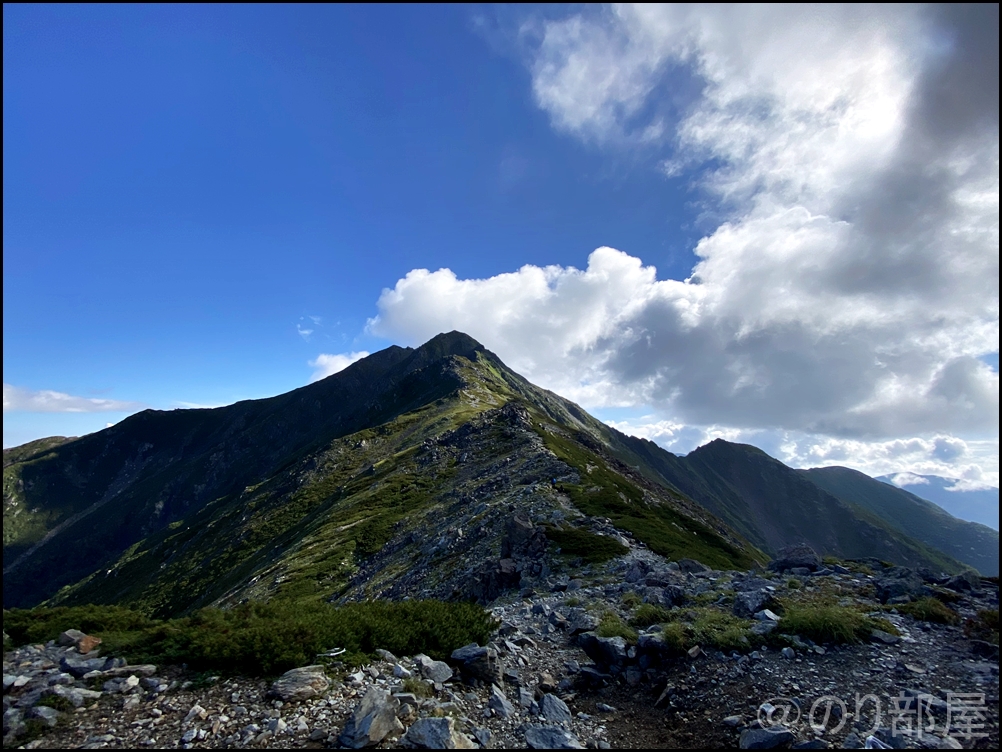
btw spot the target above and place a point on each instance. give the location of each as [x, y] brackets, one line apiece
[547, 680]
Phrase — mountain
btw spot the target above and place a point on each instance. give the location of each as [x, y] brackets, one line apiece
[969, 542]
[773, 505]
[401, 475]
[981, 505]
[428, 472]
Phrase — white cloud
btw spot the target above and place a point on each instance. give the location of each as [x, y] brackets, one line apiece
[16, 399]
[851, 285]
[326, 365]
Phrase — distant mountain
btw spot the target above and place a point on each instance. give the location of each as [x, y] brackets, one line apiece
[428, 472]
[400, 475]
[974, 506]
[969, 542]
[773, 505]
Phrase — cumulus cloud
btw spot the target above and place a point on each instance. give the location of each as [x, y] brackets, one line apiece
[850, 288]
[16, 399]
[325, 365]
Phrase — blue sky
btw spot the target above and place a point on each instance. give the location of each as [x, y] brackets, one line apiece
[201, 201]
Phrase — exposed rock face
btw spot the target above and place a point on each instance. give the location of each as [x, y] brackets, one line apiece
[300, 684]
[550, 737]
[436, 733]
[798, 556]
[374, 719]
[479, 663]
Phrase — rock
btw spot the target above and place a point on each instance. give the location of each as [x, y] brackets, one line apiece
[798, 555]
[695, 651]
[196, 712]
[964, 582]
[87, 643]
[873, 742]
[898, 583]
[300, 684]
[483, 736]
[749, 603]
[70, 637]
[766, 615]
[145, 669]
[48, 716]
[436, 733]
[733, 721]
[434, 671]
[605, 651]
[553, 709]
[580, 621]
[788, 653]
[691, 566]
[373, 719]
[77, 696]
[879, 635]
[400, 672]
[80, 666]
[810, 744]
[477, 662]
[499, 703]
[550, 737]
[765, 738]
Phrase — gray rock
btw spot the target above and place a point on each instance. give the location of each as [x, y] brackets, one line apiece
[766, 615]
[483, 736]
[436, 733]
[605, 651]
[691, 566]
[733, 721]
[762, 628]
[70, 637]
[480, 663]
[80, 666]
[550, 737]
[748, 603]
[373, 719]
[300, 684]
[435, 671]
[899, 583]
[48, 716]
[879, 635]
[553, 709]
[798, 555]
[765, 738]
[852, 741]
[788, 653]
[77, 696]
[810, 744]
[499, 703]
[964, 582]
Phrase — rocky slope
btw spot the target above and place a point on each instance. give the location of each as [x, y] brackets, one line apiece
[549, 680]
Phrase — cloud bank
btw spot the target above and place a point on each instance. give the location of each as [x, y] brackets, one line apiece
[16, 399]
[325, 365]
[849, 288]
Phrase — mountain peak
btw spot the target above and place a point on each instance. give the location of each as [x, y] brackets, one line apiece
[450, 343]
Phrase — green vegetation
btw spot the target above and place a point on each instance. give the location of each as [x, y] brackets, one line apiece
[929, 609]
[826, 622]
[794, 584]
[611, 625]
[631, 599]
[648, 614]
[586, 545]
[417, 687]
[603, 492]
[706, 627]
[265, 638]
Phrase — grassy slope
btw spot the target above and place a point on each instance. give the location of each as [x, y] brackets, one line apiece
[973, 544]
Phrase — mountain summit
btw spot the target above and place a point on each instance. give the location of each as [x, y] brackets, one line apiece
[427, 472]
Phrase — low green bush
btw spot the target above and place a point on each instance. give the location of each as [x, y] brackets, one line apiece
[929, 609]
[611, 625]
[267, 638]
[585, 545]
[648, 614]
[825, 622]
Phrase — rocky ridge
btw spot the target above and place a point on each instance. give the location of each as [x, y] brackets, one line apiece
[548, 679]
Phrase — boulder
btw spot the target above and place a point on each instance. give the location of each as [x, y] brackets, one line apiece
[798, 556]
[550, 737]
[691, 566]
[749, 603]
[605, 651]
[898, 583]
[70, 637]
[478, 662]
[434, 671]
[553, 709]
[436, 733]
[964, 582]
[499, 703]
[298, 684]
[765, 738]
[373, 719]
